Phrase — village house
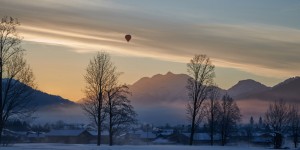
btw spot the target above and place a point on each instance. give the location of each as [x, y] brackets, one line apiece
[69, 136]
[137, 137]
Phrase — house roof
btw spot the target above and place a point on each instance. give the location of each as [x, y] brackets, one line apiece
[202, 136]
[143, 135]
[13, 133]
[95, 133]
[64, 132]
[167, 132]
[35, 135]
[148, 135]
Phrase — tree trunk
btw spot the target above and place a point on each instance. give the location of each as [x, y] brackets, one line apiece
[193, 126]
[110, 137]
[193, 119]
[212, 138]
[296, 140]
[212, 123]
[192, 135]
[99, 130]
[223, 141]
[223, 137]
[1, 98]
[110, 124]
[1, 129]
[277, 141]
[99, 119]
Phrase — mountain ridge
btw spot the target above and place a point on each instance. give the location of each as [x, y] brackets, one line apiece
[51, 108]
[165, 95]
[162, 99]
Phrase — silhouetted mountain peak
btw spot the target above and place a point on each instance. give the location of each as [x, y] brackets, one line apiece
[249, 83]
[162, 85]
[288, 82]
[169, 73]
[160, 78]
[247, 86]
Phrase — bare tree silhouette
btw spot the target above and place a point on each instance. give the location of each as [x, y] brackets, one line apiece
[212, 109]
[97, 77]
[202, 73]
[15, 74]
[277, 118]
[119, 111]
[230, 116]
[295, 123]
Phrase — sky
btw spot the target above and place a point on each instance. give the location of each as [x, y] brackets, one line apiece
[257, 39]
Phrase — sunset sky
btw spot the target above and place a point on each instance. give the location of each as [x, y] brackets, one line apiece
[256, 39]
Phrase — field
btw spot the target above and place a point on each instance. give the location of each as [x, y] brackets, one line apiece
[127, 147]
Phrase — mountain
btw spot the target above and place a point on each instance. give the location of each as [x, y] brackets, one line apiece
[162, 99]
[287, 90]
[37, 97]
[42, 99]
[245, 88]
[160, 88]
[256, 103]
[50, 108]
[159, 98]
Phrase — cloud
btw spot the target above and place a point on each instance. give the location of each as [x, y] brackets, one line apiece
[88, 26]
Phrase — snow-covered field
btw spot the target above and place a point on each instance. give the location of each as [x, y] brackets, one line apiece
[127, 147]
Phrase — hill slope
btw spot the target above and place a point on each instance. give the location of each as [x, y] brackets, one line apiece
[51, 108]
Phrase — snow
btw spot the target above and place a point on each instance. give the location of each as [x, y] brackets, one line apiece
[162, 141]
[125, 147]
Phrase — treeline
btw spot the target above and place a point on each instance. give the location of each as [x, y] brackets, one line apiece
[24, 126]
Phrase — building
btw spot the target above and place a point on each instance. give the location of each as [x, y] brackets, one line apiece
[69, 136]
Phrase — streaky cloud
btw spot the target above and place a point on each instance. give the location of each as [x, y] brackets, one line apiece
[88, 26]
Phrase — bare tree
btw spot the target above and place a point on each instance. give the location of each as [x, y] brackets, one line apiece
[120, 112]
[230, 116]
[15, 74]
[277, 118]
[295, 124]
[213, 112]
[202, 73]
[97, 77]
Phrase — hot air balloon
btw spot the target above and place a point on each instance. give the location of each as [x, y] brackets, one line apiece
[128, 37]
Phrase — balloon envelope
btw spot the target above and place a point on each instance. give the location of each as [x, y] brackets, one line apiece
[127, 37]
